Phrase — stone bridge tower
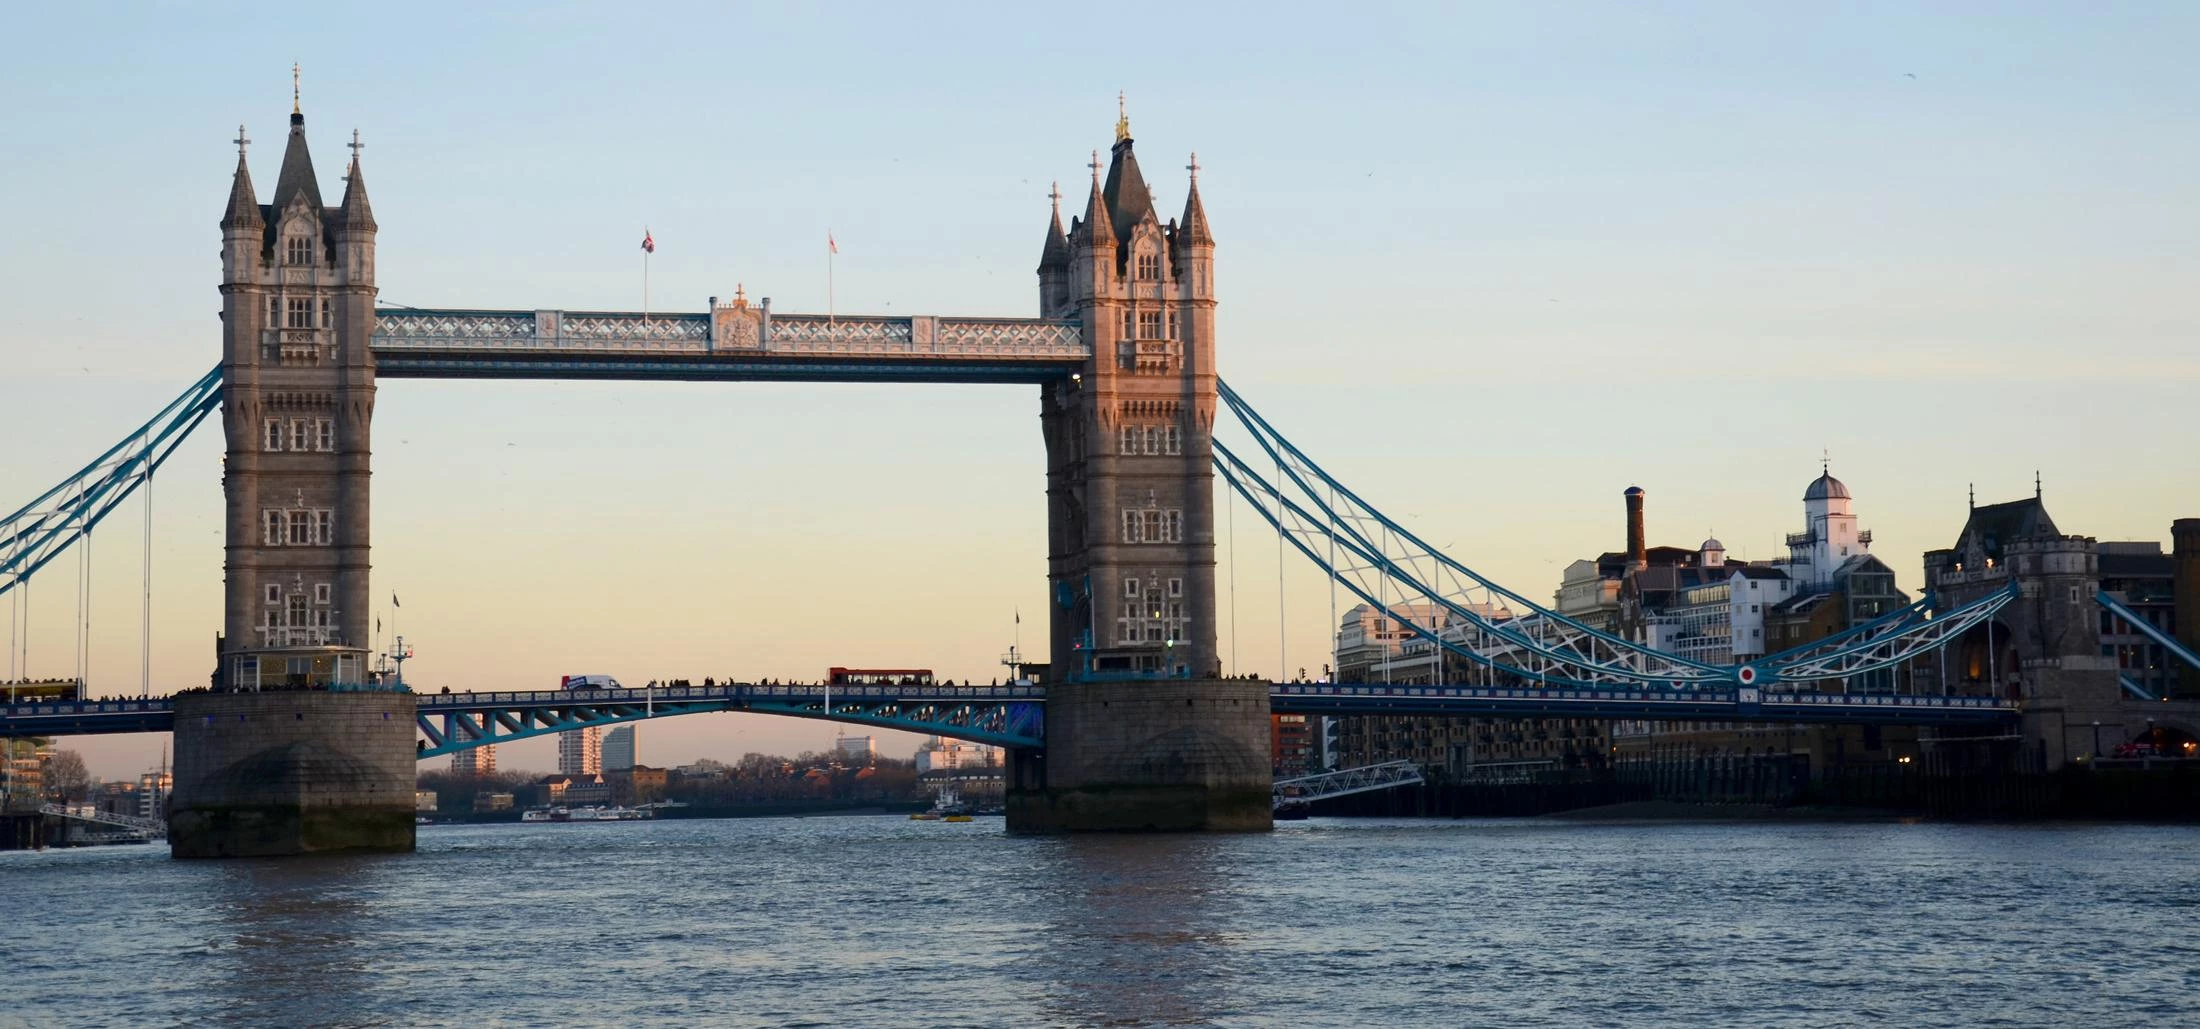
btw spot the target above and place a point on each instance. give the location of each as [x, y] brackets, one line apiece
[296, 750]
[1140, 731]
[1130, 483]
[297, 405]
[2044, 648]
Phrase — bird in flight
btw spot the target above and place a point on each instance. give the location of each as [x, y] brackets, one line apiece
[1909, 74]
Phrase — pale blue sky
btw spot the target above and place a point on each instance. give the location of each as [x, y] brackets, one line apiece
[1492, 264]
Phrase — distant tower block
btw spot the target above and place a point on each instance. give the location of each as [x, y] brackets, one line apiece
[2185, 548]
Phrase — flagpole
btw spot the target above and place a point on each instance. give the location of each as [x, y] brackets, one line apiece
[645, 281]
[831, 249]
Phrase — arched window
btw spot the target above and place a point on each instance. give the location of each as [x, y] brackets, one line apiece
[1149, 266]
[298, 250]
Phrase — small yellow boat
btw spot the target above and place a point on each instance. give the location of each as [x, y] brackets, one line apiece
[924, 816]
[955, 818]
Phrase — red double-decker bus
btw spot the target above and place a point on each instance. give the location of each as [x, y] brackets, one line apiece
[879, 676]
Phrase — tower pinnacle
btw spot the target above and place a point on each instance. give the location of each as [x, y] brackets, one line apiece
[295, 110]
[242, 141]
[1122, 118]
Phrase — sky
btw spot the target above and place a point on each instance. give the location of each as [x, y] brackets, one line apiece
[1491, 264]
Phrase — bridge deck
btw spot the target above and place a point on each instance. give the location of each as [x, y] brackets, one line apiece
[1010, 715]
[455, 344]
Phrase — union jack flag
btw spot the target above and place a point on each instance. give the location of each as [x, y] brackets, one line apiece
[649, 243]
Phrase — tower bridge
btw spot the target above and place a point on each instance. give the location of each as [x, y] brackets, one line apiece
[300, 746]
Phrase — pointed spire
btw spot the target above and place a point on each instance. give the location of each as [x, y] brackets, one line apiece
[297, 175]
[356, 214]
[1128, 201]
[244, 204]
[1122, 118]
[1099, 229]
[1055, 254]
[1192, 228]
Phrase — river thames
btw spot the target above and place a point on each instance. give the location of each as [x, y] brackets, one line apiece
[879, 921]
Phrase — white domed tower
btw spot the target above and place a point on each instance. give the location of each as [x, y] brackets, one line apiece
[1829, 535]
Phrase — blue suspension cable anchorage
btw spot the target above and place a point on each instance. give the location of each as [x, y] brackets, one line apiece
[39, 531]
[1512, 635]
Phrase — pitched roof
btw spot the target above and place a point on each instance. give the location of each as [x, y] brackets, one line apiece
[1097, 227]
[1992, 526]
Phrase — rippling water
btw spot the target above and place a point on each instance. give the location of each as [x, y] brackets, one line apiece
[875, 921]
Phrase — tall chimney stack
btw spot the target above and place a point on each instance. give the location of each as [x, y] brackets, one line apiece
[1638, 551]
[2185, 547]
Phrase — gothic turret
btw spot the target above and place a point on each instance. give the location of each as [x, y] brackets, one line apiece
[244, 204]
[1054, 262]
[1191, 230]
[355, 214]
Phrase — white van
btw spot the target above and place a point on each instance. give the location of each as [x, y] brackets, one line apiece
[588, 682]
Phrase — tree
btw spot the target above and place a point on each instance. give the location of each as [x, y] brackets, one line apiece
[66, 777]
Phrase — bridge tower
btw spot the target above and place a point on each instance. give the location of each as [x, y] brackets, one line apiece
[2044, 648]
[1142, 733]
[292, 752]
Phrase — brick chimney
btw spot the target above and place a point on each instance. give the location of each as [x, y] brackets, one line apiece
[1637, 550]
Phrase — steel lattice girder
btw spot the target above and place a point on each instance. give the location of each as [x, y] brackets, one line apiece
[452, 723]
[1701, 704]
[1347, 781]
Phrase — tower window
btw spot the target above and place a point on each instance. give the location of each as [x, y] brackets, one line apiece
[271, 528]
[1129, 437]
[1173, 329]
[1132, 532]
[274, 434]
[326, 313]
[324, 526]
[320, 593]
[301, 528]
[325, 434]
[1174, 441]
[1130, 587]
[274, 310]
[1126, 325]
[1149, 325]
[298, 438]
[1153, 439]
[298, 250]
[274, 593]
[300, 313]
[1149, 266]
[1176, 587]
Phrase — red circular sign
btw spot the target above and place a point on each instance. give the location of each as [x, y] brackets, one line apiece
[1749, 675]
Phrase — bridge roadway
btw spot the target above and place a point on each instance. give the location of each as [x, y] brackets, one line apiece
[1013, 716]
[725, 345]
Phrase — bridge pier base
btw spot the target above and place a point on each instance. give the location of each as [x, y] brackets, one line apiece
[1168, 755]
[295, 772]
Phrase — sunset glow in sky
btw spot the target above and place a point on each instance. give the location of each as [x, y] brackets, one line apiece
[1490, 265]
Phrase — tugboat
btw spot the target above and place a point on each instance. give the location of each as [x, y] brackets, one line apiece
[947, 807]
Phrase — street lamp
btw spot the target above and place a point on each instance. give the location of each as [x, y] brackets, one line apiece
[2096, 739]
